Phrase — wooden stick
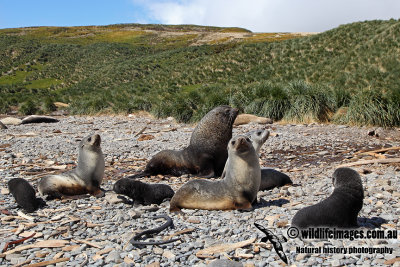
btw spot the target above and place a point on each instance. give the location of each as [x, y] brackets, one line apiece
[379, 150]
[87, 243]
[50, 262]
[141, 131]
[16, 242]
[23, 263]
[372, 161]
[208, 252]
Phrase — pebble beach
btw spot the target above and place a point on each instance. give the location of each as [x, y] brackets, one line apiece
[96, 231]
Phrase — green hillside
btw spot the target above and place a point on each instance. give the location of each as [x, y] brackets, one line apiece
[348, 75]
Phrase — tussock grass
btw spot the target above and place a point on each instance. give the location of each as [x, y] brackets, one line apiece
[125, 68]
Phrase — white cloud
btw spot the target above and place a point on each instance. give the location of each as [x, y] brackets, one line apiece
[270, 15]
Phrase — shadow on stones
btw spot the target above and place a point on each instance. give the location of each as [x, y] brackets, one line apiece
[263, 203]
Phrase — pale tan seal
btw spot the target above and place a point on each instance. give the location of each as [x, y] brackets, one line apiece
[85, 178]
[248, 118]
[236, 191]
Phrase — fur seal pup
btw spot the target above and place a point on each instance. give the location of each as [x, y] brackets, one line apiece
[142, 192]
[206, 154]
[236, 191]
[271, 178]
[85, 178]
[257, 138]
[25, 195]
[340, 209]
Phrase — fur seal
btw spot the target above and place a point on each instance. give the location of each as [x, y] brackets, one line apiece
[248, 118]
[38, 119]
[142, 192]
[206, 154]
[85, 178]
[340, 209]
[271, 178]
[25, 195]
[257, 138]
[236, 191]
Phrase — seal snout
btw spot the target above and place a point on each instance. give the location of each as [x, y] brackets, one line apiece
[95, 140]
[241, 143]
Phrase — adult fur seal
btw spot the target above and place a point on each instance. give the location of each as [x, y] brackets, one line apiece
[143, 193]
[236, 191]
[340, 209]
[85, 178]
[25, 195]
[206, 154]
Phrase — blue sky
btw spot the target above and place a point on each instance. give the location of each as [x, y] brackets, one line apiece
[255, 15]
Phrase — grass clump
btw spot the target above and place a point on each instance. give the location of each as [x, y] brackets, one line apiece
[307, 103]
[372, 107]
[28, 108]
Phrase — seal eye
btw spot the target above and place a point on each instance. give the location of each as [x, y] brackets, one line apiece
[233, 143]
[248, 140]
[89, 139]
[258, 133]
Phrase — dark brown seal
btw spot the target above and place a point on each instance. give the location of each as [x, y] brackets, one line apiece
[24, 195]
[207, 152]
[340, 209]
[143, 193]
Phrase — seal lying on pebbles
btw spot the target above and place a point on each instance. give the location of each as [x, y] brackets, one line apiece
[143, 193]
[340, 209]
[236, 191]
[270, 178]
[38, 119]
[25, 195]
[206, 154]
[85, 178]
[248, 118]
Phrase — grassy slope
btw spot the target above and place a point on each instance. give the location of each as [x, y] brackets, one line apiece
[185, 70]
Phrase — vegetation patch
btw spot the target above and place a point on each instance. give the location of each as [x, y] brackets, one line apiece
[345, 75]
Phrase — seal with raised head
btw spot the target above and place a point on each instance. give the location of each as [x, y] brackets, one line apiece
[257, 138]
[206, 154]
[270, 178]
[236, 191]
[85, 178]
[340, 209]
[25, 195]
[143, 193]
